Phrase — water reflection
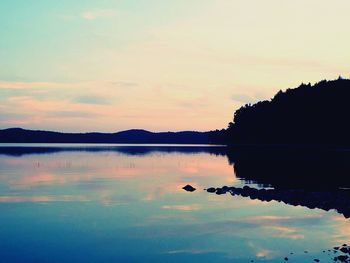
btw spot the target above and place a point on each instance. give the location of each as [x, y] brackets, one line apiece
[127, 205]
[325, 200]
[292, 168]
[136, 149]
[103, 174]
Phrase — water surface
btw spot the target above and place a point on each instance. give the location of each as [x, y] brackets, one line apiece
[122, 203]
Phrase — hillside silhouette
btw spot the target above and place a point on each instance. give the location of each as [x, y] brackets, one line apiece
[307, 115]
[18, 135]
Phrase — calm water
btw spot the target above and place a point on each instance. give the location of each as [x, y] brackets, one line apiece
[86, 203]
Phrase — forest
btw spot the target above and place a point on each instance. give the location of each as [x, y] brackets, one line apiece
[307, 115]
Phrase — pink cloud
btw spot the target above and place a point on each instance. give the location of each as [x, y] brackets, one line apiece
[40, 199]
[192, 207]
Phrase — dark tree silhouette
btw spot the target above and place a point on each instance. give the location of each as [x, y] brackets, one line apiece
[307, 115]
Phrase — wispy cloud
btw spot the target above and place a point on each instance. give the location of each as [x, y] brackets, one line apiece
[261, 252]
[87, 15]
[243, 98]
[95, 14]
[287, 232]
[182, 207]
[191, 251]
[125, 84]
[72, 114]
[35, 84]
[99, 100]
[41, 198]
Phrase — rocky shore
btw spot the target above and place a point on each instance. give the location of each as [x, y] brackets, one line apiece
[325, 200]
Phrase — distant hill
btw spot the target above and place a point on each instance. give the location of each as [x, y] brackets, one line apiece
[307, 115]
[18, 135]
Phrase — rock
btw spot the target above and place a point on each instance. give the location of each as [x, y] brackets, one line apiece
[211, 190]
[220, 191]
[225, 188]
[286, 259]
[341, 258]
[316, 260]
[189, 188]
[344, 250]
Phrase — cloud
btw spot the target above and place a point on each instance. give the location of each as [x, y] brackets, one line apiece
[261, 252]
[35, 84]
[191, 251]
[72, 114]
[125, 84]
[119, 102]
[271, 218]
[95, 14]
[41, 198]
[243, 98]
[287, 232]
[99, 100]
[182, 207]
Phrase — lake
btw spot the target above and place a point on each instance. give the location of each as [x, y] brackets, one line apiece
[123, 203]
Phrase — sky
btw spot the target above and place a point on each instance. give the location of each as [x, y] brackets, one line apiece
[161, 65]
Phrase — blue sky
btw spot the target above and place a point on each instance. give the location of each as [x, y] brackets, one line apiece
[160, 65]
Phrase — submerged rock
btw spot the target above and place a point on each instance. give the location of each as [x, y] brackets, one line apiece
[189, 188]
[211, 190]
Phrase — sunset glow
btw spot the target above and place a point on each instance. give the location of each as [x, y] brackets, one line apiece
[160, 65]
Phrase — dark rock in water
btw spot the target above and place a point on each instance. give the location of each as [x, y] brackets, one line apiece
[211, 190]
[336, 248]
[345, 249]
[341, 258]
[286, 259]
[220, 191]
[189, 188]
[316, 260]
[345, 245]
